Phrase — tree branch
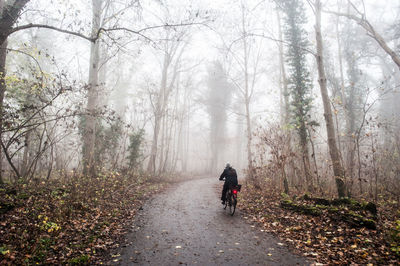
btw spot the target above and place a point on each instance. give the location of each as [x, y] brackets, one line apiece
[31, 25]
[282, 41]
[97, 35]
[371, 32]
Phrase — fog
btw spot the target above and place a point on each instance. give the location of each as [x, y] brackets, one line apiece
[183, 87]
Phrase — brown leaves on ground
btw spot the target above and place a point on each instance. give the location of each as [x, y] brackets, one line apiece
[321, 238]
[71, 221]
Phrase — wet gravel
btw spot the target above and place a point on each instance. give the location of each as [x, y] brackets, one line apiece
[187, 225]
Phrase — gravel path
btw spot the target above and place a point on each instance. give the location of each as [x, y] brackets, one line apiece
[187, 225]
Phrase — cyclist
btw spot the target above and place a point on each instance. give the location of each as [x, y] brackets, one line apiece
[230, 176]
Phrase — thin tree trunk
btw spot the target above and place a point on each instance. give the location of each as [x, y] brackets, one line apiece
[284, 94]
[50, 168]
[158, 114]
[239, 136]
[178, 128]
[306, 156]
[284, 82]
[91, 117]
[350, 115]
[39, 152]
[340, 57]
[9, 159]
[162, 141]
[168, 142]
[187, 139]
[25, 157]
[247, 101]
[3, 56]
[333, 150]
[314, 156]
[342, 92]
[376, 174]
[185, 129]
[249, 137]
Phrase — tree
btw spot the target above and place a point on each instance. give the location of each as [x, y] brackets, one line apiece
[134, 149]
[299, 82]
[354, 95]
[3, 55]
[218, 99]
[338, 169]
[247, 91]
[284, 94]
[9, 13]
[93, 91]
[173, 48]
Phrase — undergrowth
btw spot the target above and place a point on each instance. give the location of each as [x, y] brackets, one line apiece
[72, 221]
[336, 234]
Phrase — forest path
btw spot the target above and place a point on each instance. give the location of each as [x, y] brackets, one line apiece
[187, 225]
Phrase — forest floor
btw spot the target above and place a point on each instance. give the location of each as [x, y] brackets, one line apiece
[343, 234]
[72, 221]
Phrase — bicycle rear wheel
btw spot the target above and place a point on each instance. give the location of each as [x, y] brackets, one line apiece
[232, 204]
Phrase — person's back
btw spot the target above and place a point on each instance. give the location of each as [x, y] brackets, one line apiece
[230, 176]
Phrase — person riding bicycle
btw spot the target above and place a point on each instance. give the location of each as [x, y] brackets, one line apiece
[230, 176]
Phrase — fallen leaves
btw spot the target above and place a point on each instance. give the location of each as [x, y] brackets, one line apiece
[75, 222]
[322, 238]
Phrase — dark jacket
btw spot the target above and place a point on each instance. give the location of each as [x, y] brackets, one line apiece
[230, 176]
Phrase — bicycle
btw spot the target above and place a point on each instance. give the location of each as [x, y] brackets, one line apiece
[231, 198]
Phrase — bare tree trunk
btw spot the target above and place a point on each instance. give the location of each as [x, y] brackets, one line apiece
[162, 141]
[284, 82]
[3, 55]
[51, 162]
[90, 123]
[214, 146]
[249, 137]
[314, 156]
[247, 100]
[239, 136]
[9, 13]
[284, 94]
[168, 140]
[305, 156]
[187, 139]
[177, 129]
[25, 157]
[179, 147]
[162, 99]
[333, 150]
[185, 129]
[342, 92]
[158, 114]
[151, 166]
[168, 146]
